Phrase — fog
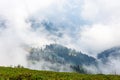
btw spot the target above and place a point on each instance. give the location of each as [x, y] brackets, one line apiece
[90, 26]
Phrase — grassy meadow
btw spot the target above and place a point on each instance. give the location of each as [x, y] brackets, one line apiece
[8, 73]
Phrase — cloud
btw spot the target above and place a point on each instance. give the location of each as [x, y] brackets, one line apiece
[103, 31]
[90, 26]
[104, 11]
[109, 67]
[17, 32]
[44, 65]
[99, 37]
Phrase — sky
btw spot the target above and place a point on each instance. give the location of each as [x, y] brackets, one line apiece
[90, 26]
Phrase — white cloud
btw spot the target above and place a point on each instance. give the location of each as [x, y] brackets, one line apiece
[99, 37]
[103, 32]
[90, 25]
[101, 10]
[17, 33]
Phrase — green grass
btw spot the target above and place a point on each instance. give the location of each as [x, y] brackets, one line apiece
[8, 73]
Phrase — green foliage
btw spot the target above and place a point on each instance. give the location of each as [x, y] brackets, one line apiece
[8, 73]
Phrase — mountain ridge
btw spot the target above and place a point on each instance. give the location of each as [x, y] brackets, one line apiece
[55, 53]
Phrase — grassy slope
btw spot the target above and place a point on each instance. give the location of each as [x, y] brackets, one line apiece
[7, 73]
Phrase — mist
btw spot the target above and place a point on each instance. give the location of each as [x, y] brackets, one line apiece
[90, 26]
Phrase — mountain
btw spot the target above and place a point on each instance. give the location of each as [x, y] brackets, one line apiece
[105, 55]
[55, 53]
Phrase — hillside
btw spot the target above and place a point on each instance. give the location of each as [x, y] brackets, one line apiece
[8, 73]
[56, 56]
[109, 53]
